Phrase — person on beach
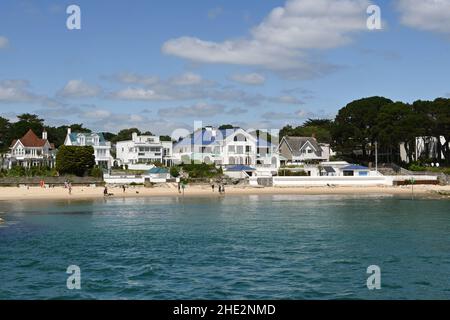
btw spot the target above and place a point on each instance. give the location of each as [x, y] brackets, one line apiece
[212, 187]
[220, 188]
[223, 188]
[105, 191]
[179, 187]
[123, 187]
[70, 188]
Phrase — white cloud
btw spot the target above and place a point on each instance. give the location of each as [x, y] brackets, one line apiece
[249, 78]
[428, 15]
[197, 110]
[138, 94]
[186, 79]
[4, 42]
[281, 41]
[96, 114]
[133, 78]
[16, 91]
[79, 89]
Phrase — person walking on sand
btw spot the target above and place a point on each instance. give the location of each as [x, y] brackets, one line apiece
[123, 187]
[220, 188]
[70, 188]
[212, 187]
[105, 191]
[179, 187]
[223, 188]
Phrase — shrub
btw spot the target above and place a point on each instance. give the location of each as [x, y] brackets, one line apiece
[175, 172]
[96, 172]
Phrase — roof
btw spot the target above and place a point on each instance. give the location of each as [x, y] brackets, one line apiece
[157, 170]
[329, 169]
[241, 167]
[88, 138]
[205, 137]
[297, 143]
[354, 167]
[30, 139]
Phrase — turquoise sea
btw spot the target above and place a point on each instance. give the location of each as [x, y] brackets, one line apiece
[237, 247]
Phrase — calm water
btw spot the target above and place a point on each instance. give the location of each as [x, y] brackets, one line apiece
[249, 247]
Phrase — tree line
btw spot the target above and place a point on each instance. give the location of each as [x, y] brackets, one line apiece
[10, 131]
[363, 123]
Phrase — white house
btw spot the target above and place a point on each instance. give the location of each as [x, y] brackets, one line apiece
[141, 152]
[225, 147]
[30, 150]
[425, 147]
[300, 150]
[102, 148]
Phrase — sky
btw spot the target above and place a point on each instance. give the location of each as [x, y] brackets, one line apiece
[160, 65]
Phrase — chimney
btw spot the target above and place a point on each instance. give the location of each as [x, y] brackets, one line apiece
[69, 130]
[44, 135]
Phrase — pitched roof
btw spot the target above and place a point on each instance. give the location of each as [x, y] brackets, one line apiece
[297, 143]
[30, 139]
[88, 136]
[205, 137]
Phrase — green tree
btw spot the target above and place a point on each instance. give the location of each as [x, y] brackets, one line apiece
[75, 160]
[125, 134]
[353, 127]
[319, 128]
[4, 134]
[397, 123]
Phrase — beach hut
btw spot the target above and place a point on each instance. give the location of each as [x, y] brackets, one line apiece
[355, 170]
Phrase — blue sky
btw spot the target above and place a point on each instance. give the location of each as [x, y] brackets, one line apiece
[160, 65]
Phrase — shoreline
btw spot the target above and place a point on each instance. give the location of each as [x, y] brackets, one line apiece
[87, 193]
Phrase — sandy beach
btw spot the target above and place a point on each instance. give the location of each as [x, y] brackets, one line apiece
[60, 193]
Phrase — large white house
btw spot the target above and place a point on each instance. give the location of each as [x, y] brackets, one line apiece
[225, 147]
[424, 147]
[141, 152]
[102, 148]
[30, 151]
[300, 150]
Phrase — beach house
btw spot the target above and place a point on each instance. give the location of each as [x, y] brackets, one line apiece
[102, 148]
[225, 147]
[301, 150]
[141, 152]
[30, 151]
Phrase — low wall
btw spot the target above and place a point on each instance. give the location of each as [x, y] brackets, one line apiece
[13, 181]
[337, 181]
[124, 179]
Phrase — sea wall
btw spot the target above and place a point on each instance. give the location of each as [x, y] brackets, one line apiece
[328, 181]
[14, 181]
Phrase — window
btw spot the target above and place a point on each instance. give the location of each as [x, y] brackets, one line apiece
[248, 148]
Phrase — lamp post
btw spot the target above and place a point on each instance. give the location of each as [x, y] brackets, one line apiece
[376, 156]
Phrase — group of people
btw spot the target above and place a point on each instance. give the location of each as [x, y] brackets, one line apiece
[221, 188]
